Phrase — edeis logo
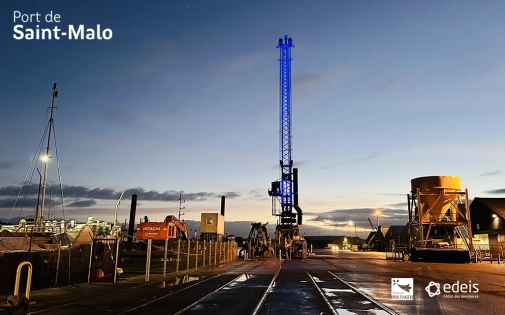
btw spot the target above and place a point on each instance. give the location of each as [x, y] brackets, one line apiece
[402, 288]
[455, 290]
[433, 289]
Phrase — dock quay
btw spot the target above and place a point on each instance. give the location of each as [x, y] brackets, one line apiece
[329, 282]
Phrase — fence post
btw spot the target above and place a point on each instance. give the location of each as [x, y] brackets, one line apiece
[165, 259]
[210, 253]
[178, 256]
[196, 256]
[90, 260]
[187, 262]
[70, 259]
[148, 260]
[58, 262]
[215, 254]
[115, 260]
[204, 248]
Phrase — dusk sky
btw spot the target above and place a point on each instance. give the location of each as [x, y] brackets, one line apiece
[184, 99]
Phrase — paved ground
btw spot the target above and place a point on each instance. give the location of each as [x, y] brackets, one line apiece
[369, 272]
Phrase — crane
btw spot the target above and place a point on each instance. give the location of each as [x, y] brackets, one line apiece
[285, 190]
[371, 224]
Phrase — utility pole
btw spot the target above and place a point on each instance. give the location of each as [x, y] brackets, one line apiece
[181, 207]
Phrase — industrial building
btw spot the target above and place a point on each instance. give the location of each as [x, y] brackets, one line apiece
[488, 220]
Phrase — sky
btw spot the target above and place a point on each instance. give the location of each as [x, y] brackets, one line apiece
[183, 99]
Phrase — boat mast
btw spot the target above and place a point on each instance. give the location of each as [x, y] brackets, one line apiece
[38, 218]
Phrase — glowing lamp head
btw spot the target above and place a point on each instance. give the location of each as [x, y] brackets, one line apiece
[44, 158]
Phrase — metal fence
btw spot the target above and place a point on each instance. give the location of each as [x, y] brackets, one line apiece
[178, 256]
[50, 267]
[489, 252]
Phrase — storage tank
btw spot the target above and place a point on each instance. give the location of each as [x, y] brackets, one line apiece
[434, 198]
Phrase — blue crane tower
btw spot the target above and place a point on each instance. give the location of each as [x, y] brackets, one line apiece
[285, 190]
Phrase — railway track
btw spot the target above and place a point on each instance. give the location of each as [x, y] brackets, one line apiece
[343, 298]
[274, 289]
[256, 288]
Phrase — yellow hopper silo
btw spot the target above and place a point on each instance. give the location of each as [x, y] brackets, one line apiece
[437, 204]
[435, 195]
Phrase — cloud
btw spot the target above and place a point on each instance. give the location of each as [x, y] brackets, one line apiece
[494, 173]
[82, 203]
[399, 204]
[496, 191]
[81, 196]
[9, 202]
[123, 117]
[358, 160]
[247, 62]
[343, 218]
[304, 79]
[4, 165]
[389, 84]
[259, 194]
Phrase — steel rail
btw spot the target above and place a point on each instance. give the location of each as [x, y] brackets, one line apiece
[371, 299]
[267, 292]
[216, 290]
[333, 310]
[209, 295]
[122, 290]
[169, 294]
[175, 292]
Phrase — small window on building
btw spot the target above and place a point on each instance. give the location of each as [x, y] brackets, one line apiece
[210, 220]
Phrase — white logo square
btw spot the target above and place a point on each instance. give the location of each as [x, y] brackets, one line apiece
[402, 288]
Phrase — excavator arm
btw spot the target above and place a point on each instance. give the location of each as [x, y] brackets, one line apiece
[181, 226]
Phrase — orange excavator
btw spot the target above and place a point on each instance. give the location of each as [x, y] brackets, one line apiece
[162, 230]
